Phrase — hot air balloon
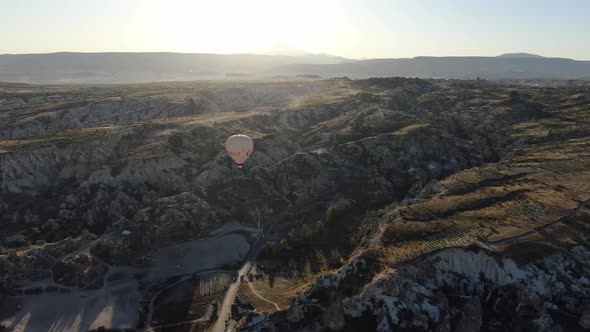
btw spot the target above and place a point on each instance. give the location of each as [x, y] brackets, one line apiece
[239, 148]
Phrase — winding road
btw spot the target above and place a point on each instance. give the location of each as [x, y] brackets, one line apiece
[255, 292]
[232, 291]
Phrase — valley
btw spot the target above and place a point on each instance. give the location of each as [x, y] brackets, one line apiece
[375, 204]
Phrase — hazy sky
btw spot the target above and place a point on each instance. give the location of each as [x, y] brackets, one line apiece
[356, 29]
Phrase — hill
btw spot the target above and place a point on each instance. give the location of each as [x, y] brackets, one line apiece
[88, 68]
[503, 67]
[520, 55]
[99, 68]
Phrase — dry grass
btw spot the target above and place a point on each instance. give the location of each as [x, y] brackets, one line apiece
[61, 137]
[523, 206]
[408, 129]
[149, 151]
[281, 292]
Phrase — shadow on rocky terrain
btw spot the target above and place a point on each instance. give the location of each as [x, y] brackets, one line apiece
[453, 203]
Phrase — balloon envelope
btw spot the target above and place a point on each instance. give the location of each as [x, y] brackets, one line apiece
[239, 148]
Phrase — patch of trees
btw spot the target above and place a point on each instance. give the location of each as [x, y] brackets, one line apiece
[306, 250]
[366, 97]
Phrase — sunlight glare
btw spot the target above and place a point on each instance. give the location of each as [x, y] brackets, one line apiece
[235, 26]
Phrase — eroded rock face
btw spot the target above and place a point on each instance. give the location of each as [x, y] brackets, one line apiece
[295, 314]
[86, 114]
[172, 218]
[81, 271]
[171, 181]
[34, 263]
[459, 288]
[333, 317]
[471, 317]
[169, 220]
[584, 321]
[372, 152]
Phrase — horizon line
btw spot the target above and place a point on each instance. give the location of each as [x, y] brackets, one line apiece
[532, 55]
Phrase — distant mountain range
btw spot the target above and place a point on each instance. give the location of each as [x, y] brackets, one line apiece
[66, 67]
[59, 68]
[520, 55]
[506, 66]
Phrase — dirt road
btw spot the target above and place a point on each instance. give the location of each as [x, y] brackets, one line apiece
[232, 291]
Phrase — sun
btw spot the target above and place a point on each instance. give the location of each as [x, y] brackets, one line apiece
[232, 26]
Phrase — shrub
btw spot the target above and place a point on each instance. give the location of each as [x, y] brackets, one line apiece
[142, 317]
[306, 232]
[366, 97]
[320, 228]
[307, 271]
[334, 258]
[284, 244]
[331, 214]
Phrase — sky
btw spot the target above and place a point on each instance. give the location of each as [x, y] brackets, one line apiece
[349, 28]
